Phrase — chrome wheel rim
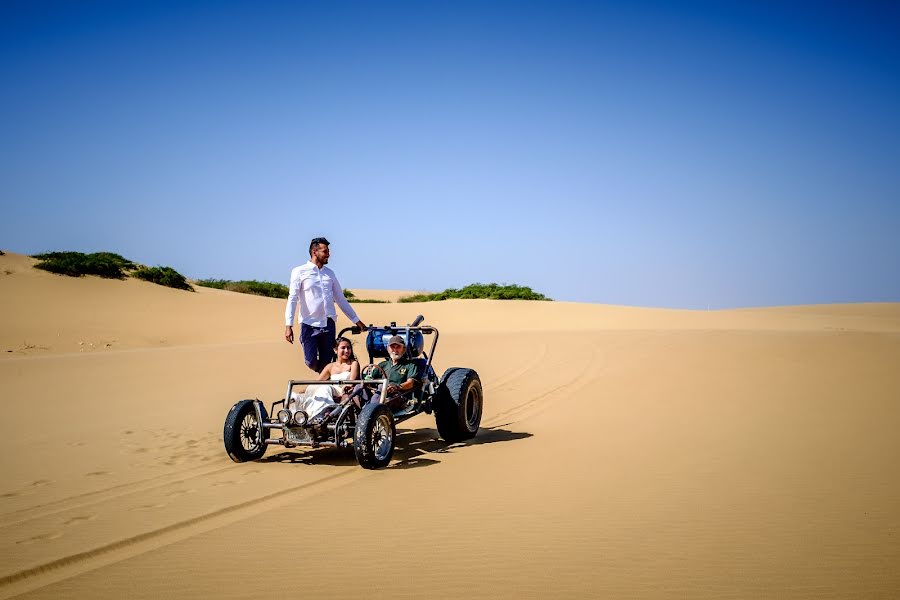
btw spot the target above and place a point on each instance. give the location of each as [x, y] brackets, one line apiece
[382, 437]
[473, 407]
[250, 433]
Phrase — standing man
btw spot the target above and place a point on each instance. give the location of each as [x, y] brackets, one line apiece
[316, 287]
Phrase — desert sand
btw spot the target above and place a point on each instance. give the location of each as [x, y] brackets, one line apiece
[624, 453]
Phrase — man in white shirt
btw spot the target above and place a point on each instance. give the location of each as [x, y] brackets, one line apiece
[316, 288]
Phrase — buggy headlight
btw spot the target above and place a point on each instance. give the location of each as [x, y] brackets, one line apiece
[284, 416]
[300, 417]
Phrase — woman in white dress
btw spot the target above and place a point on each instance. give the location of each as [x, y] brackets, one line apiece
[318, 398]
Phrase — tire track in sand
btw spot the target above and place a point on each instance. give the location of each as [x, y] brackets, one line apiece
[522, 368]
[536, 404]
[104, 494]
[125, 548]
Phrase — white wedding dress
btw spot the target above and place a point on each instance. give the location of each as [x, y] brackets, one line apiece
[319, 397]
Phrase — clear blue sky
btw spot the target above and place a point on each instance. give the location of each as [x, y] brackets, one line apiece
[645, 153]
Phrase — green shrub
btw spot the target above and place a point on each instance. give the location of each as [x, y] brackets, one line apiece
[491, 291]
[218, 284]
[118, 259]
[349, 295]
[166, 276]
[76, 264]
[258, 288]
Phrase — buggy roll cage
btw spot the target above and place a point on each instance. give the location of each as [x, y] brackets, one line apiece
[393, 329]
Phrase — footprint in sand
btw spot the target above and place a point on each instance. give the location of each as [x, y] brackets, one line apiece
[79, 519]
[97, 473]
[76, 444]
[41, 538]
[180, 493]
[10, 494]
[40, 482]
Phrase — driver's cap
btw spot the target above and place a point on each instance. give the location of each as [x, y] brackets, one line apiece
[396, 340]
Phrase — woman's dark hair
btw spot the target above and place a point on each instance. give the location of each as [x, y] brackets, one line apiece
[337, 343]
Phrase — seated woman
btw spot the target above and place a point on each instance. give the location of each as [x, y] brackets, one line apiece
[319, 398]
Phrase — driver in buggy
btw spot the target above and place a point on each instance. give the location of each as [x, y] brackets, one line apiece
[401, 372]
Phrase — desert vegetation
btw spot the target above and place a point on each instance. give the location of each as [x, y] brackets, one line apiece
[492, 291]
[109, 265]
[166, 276]
[248, 286]
[78, 264]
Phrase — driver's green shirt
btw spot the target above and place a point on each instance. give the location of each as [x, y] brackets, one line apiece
[404, 369]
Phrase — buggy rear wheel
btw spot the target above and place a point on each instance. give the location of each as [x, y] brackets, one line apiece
[374, 437]
[244, 435]
[458, 405]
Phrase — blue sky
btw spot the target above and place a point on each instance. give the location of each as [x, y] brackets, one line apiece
[687, 154]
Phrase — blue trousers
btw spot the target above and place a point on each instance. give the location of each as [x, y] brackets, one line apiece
[318, 345]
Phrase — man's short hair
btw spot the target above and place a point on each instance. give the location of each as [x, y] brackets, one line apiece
[315, 242]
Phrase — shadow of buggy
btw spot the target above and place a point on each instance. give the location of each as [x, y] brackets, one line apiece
[411, 449]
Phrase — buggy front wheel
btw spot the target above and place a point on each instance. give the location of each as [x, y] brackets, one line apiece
[374, 437]
[244, 435]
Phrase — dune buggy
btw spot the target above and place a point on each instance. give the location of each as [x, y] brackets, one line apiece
[455, 399]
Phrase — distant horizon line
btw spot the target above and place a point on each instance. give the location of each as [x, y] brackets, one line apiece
[709, 307]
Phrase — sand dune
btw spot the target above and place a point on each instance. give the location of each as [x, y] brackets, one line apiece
[385, 295]
[625, 452]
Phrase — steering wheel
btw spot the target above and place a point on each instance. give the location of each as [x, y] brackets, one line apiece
[371, 372]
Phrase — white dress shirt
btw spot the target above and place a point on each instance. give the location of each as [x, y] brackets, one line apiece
[317, 290]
